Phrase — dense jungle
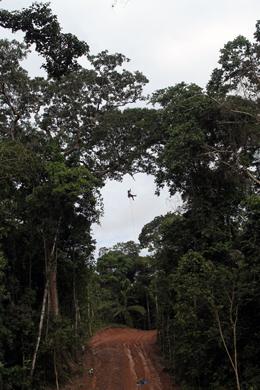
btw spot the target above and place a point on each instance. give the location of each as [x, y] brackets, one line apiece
[62, 136]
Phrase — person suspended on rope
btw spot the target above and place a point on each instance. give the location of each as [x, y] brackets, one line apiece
[142, 382]
[130, 195]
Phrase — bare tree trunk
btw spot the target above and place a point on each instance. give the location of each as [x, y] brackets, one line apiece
[55, 370]
[53, 291]
[48, 316]
[40, 327]
[233, 322]
[45, 295]
[233, 362]
[52, 267]
[251, 176]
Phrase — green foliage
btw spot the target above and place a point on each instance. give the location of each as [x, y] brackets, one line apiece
[239, 67]
[42, 28]
[57, 147]
[209, 296]
[206, 143]
[125, 278]
[60, 139]
[207, 256]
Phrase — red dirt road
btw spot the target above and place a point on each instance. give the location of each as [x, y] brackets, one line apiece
[120, 357]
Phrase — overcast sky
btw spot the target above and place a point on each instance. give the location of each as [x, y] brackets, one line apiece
[169, 41]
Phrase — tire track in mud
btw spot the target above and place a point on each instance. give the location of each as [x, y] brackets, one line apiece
[131, 361]
[149, 370]
[120, 357]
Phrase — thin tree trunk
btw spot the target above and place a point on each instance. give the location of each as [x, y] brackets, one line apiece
[40, 327]
[234, 326]
[48, 316]
[45, 295]
[251, 176]
[53, 291]
[55, 370]
[233, 362]
[52, 267]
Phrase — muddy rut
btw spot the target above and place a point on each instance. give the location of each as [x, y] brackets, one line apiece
[120, 358]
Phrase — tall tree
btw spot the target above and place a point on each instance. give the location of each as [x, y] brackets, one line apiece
[206, 278]
[56, 128]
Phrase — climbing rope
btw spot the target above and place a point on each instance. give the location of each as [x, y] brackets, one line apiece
[132, 217]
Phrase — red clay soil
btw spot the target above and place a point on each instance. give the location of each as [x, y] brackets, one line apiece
[120, 357]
